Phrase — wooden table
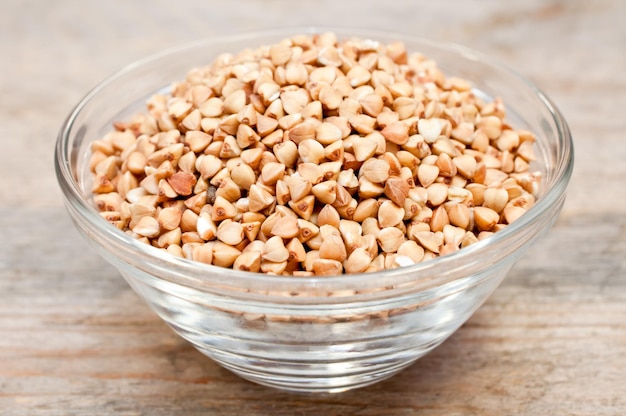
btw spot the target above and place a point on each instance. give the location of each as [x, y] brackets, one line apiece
[74, 338]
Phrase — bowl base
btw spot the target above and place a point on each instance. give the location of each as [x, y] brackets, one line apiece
[315, 378]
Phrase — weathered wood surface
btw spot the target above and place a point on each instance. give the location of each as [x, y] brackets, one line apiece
[74, 338]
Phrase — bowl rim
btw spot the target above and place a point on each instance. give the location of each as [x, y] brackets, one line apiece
[193, 273]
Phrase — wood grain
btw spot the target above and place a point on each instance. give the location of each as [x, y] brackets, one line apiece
[75, 339]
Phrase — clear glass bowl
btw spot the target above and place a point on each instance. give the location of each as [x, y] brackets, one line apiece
[324, 334]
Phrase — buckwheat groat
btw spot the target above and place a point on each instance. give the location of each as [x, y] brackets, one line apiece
[315, 156]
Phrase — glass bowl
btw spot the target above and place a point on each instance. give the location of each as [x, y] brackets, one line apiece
[324, 334]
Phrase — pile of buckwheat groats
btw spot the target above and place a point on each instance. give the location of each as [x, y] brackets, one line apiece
[315, 156]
